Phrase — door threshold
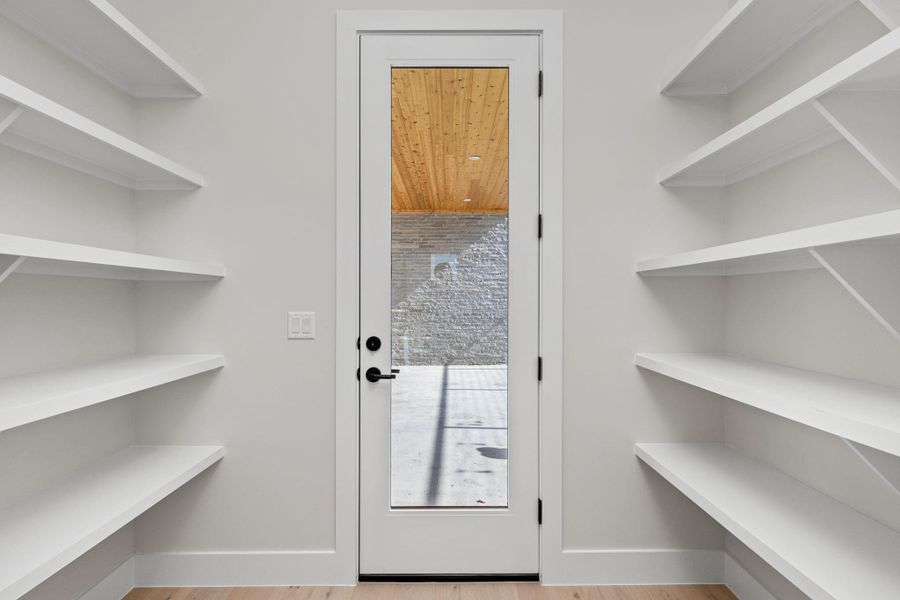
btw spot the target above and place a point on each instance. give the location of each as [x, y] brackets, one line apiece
[453, 578]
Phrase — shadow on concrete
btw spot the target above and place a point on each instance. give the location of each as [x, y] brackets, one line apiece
[437, 454]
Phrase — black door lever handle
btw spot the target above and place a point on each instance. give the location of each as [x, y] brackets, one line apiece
[374, 374]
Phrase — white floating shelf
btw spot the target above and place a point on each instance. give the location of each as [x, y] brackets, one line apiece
[43, 533]
[851, 409]
[94, 33]
[799, 123]
[43, 257]
[29, 398]
[751, 35]
[828, 550]
[788, 251]
[34, 124]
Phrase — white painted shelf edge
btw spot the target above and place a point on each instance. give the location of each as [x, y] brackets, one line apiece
[860, 229]
[854, 410]
[36, 104]
[721, 39]
[41, 534]
[36, 396]
[59, 258]
[55, 29]
[825, 548]
[806, 94]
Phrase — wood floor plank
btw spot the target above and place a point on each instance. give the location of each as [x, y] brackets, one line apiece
[614, 592]
[535, 591]
[248, 593]
[209, 593]
[290, 593]
[161, 594]
[426, 591]
[670, 592]
[373, 591]
[488, 591]
[465, 591]
[334, 593]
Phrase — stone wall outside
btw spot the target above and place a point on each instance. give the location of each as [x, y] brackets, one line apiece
[449, 289]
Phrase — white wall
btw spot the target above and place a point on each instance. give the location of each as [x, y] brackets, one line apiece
[264, 137]
[806, 319]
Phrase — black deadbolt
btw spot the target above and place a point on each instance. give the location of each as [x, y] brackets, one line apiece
[373, 343]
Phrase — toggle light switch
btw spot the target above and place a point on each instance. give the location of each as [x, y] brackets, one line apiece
[301, 325]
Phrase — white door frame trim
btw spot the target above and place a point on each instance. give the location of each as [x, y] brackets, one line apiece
[350, 24]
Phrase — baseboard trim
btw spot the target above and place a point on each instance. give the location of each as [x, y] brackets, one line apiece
[636, 567]
[245, 569]
[742, 584]
[579, 567]
[114, 586]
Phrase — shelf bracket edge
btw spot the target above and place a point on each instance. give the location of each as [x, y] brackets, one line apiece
[10, 118]
[885, 466]
[861, 117]
[868, 272]
[8, 266]
[885, 11]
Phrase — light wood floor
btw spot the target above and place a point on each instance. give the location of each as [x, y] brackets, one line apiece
[473, 591]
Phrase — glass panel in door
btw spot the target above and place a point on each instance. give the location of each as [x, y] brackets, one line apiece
[449, 287]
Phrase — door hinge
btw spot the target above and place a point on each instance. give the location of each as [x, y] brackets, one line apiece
[540, 368]
[540, 84]
[540, 512]
[540, 226]
[357, 374]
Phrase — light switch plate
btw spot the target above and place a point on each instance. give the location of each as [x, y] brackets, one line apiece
[301, 325]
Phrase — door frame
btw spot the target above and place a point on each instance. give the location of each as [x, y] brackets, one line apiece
[548, 24]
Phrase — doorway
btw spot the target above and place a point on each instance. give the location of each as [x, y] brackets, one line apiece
[449, 305]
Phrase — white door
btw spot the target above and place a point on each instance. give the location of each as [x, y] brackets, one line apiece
[449, 286]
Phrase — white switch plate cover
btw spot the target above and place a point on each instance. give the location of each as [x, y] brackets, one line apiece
[301, 325]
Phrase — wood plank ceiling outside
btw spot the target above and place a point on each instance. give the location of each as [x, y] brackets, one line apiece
[439, 118]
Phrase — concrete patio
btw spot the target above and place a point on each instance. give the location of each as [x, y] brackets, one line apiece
[448, 436]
